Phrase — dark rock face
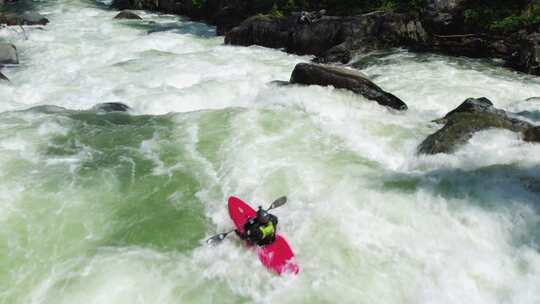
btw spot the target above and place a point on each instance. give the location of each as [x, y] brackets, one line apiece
[8, 54]
[111, 107]
[127, 15]
[330, 38]
[122, 4]
[532, 134]
[28, 18]
[520, 50]
[528, 50]
[470, 117]
[314, 74]
[444, 16]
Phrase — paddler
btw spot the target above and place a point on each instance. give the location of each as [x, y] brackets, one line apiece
[261, 229]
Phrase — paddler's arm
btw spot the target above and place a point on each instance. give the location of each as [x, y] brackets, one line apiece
[274, 219]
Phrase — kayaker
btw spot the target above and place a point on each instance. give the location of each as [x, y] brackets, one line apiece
[261, 229]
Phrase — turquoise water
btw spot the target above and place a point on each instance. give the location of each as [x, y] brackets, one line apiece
[115, 208]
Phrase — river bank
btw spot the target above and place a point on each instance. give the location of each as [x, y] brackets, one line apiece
[441, 28]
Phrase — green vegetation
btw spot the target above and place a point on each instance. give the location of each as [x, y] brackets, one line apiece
[275, 11]
[478, 15]
[530, 16]
[502, 15]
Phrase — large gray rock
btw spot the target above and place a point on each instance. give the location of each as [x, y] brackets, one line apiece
[342, 78]
[473, 115]
[8, 54]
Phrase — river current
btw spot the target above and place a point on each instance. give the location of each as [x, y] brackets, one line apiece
[115, 208]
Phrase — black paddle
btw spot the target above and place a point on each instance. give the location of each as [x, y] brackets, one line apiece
[216, 239]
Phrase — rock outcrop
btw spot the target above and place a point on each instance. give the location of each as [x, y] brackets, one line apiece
[127, 15]
[330, 38]
[342, 78]
[471, 116]
[8, 54]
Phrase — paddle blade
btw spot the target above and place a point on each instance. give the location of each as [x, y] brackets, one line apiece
[278, 203]
[217, 239]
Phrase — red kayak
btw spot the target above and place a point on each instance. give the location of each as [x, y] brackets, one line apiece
[278, 256]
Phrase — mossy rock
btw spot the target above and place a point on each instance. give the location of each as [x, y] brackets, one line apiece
[470, 117]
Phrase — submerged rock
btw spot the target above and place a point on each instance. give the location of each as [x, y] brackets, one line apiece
[27, 18]
[111, 107]
[33, 18]
[342, 78]
[280, 83]
[532, 134]
[127, 15]
[8, 54]
[3, 77]
[473, 115]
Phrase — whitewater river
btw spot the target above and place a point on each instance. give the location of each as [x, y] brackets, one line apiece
[114, 208]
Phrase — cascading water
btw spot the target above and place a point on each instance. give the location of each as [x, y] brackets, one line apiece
[113, 208]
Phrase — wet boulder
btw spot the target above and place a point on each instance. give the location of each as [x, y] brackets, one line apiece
[127, 15]
[532, 134]
[342, 78]
[473, 115]
[111, 107]
[260, 30]
[8, 54]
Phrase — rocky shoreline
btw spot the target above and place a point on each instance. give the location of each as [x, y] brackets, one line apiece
[338, 38]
